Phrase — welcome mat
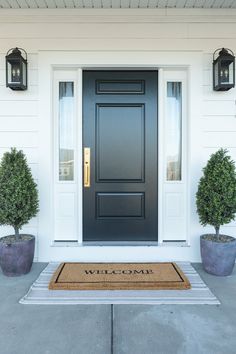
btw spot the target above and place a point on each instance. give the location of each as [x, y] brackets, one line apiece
[119, 276]
[199, 294]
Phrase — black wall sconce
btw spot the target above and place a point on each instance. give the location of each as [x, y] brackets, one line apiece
[223, 70]
[16, 69]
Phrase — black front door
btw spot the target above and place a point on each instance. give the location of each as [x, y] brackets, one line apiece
[120, 137]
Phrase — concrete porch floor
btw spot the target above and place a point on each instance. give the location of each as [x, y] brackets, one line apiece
[86, 329]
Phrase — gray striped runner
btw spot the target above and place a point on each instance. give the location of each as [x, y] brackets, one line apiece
[200, 294]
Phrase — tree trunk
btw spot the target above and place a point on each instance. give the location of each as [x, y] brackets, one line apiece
[17, 234]
[217, 228]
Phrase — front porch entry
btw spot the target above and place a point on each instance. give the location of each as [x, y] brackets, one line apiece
[120, 159]
[63, 230]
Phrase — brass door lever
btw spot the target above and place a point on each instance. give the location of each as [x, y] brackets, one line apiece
[86, 167]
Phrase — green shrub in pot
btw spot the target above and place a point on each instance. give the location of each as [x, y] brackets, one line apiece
[216, 206]
[18, 204]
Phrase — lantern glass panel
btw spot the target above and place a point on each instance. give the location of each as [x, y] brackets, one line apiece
[216, 74]
[224, 71]
[13, 69]
[231, 73]
[24, 73]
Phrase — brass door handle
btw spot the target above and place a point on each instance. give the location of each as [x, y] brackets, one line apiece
[86, 167]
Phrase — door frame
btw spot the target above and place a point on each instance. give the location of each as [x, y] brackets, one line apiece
[114, 243]
[48, 62]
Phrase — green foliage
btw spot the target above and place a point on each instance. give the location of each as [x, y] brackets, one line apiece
[216, 195]
[18, 191]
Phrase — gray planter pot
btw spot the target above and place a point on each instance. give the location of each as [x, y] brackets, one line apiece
[17, 258]
[218, 258]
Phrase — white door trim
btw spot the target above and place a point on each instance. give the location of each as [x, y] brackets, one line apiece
[48, 61]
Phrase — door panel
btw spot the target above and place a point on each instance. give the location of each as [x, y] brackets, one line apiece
[120, 128]
[120, 143]
[120, 205]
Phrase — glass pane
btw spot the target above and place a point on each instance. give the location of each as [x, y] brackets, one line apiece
[174, 131]
[24, 68]
[231, 73]
[216, 69]
[224, 72]
[66, 131]
[13, 73]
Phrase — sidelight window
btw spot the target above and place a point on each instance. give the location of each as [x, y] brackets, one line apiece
[174, 131]
[66, 131]
[66, 141]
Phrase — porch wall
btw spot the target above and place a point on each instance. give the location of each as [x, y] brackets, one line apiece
[117, 30]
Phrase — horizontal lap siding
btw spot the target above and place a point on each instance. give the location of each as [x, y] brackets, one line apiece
[117, 44]
[19, 125]
[218, 121]
[19, 121]
[77, 31]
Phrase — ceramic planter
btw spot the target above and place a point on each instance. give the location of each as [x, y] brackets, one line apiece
[17, 258]
[218, 258]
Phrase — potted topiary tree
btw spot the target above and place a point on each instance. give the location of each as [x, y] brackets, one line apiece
[18, 204]
[216, 206]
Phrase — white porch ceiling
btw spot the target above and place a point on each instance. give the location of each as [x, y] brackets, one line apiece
[52, 4]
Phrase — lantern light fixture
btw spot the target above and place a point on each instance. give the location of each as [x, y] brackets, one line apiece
[16, 69]
[223, 69]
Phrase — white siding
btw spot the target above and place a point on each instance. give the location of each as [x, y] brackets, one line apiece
[218, 122]
[183, 30]
[19, 126]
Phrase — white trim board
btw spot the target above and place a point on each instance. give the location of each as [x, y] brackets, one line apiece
[187, 15]
[48, 61]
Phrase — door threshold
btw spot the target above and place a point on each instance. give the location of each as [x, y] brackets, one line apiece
[120, 243]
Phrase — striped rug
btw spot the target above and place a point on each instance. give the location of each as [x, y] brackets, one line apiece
[199, 294]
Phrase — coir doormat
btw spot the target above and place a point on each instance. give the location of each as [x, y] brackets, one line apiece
[119, 276]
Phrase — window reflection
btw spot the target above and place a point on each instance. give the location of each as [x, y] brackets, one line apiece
[66, 131]
[174, 131]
